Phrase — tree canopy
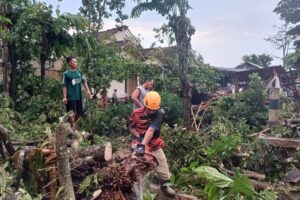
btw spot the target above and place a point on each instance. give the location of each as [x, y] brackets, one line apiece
[263, 60]
[97, 10]
[289, 11]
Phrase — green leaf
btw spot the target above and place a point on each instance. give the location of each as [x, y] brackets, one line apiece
[148, 196]
[193, 165]
[180, 180]
[184, 170]
[212, 192]
[242, 185]
[268, 195]
[214, 176]
[173, 179]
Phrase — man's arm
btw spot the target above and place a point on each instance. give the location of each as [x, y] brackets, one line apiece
[134, 97]
[86, 88]
[65, 95]
[148, 136]
[64, 82]
[154, 125]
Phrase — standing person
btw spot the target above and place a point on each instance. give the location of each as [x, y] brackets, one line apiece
[140, 92]
[72, 93]
[145, 126]
[114, 97]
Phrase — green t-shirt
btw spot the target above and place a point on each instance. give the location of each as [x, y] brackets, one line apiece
[73, 80]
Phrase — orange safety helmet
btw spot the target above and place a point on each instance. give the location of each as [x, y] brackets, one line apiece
[152, 100]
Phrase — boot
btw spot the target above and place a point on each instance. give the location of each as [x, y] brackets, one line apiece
[167, 190]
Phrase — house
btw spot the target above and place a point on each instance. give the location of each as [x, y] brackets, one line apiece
[54, 68]
[126, 41]
[240, 74]
[249, 66]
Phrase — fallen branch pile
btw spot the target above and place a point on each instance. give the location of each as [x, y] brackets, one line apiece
[199, 111]
[58, 171]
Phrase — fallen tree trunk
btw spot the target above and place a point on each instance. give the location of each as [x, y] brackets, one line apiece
[6, 140]
[63, 165]
[100, 153]
[243, 172]
[258, 186]
[281, 142]
[254, 175]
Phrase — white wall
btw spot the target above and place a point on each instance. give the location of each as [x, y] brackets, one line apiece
[120, 86]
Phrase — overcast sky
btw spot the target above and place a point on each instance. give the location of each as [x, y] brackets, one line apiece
[225, 29]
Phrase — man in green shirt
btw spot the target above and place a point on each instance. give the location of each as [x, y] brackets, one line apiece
[72, 94]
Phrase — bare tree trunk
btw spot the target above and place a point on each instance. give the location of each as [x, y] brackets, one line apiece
[296, 96]
[186, 104]
[183, 31]
[13, 75]
[63, 165]
[6, 141]
[5, 59]
[43, 59]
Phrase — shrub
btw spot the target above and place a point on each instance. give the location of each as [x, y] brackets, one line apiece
[182, 147]
[248, 105]
[172, 106]
[112, 121]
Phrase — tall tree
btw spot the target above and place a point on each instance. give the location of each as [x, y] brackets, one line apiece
[282, 40]
[46, 36]
[263, 60]
[97, 10]
[203, 77]
[10, 11]
[175, 12]
[289, 11]
[5, 51]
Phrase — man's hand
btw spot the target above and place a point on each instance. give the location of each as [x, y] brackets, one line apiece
[88, 94]
[140, 150]
[65, 100]
[134, 132]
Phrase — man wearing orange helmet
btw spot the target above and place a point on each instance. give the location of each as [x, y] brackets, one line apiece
[145, 126]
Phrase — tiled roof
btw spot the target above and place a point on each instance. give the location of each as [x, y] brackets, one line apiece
[112, 31]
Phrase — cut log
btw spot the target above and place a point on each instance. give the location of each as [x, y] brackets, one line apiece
[63, 165]
[293, 121]
[243, 172]
[6, 140]
[280, 142]
[100, 153]
[254, 175]
[258, 186]
[122, 153]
